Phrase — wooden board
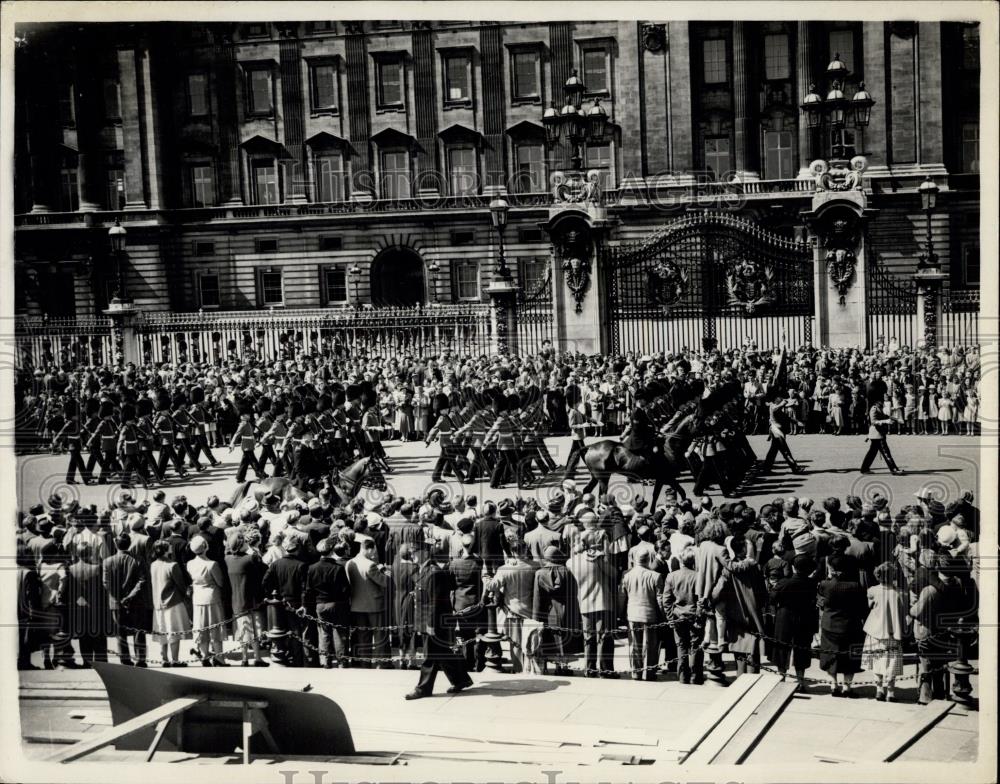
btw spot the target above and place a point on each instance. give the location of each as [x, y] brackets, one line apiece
[747, 737]
[924, 717]
[738, 715]
[133, 725]
[707, 720]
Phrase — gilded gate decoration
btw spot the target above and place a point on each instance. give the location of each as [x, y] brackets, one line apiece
[709, 279]
[534, 315]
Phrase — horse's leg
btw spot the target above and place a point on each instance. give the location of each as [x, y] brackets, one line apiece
[657, 486]
[675, 485]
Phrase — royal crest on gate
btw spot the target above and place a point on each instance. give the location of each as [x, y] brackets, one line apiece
[751, 284]
[668, 283]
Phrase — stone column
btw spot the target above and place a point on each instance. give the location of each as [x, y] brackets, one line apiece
[679, 98]
[747, 167]
[152, 126]
[230, 192]
[132, 130]
[89, 102]
[929, 282]
[293, 101]
[502, 294]
[803, 79]
[38, 90]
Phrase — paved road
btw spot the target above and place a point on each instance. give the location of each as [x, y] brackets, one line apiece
[945, 464]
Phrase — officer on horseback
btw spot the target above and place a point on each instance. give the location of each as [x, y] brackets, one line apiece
[641, 437]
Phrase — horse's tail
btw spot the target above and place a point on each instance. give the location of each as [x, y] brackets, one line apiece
[241, 493]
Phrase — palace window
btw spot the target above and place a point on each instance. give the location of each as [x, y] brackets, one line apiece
[197, 84]
[395, 178]
[115, 194]
[67, 105]
[260, 91]
[717, 156]
[462, 174]
[466, 277]
[270, 291]
[69, 190]
[778, 163]
[256, 30]
[390, 94]
[776, 62]
[314, 28]
[208, 290]
[714, 61]
[524, 75]
[330, 181]
[970, 147]
[970, 265]
[202, 185]
[457, 79]
[264, 181]
[970, 47]
[529, 176]
[598, 157]
[323, 80]
[842, 43]
[112, 100]
[533, 273]
[335, 284]
[596, 70]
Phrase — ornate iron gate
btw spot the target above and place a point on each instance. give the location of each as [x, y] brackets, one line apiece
[534, 318]
[709, 279]
[891, 305]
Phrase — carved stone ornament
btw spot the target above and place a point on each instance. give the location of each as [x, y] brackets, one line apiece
[577, 188]
[839, 178]
[751, 284]
[654, 37]
[577, 279]
[667, 283]
[840, 266]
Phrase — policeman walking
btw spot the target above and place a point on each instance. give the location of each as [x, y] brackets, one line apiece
[71, 435]
[776, 435]
[444, 430]
[128, 448]
[878, 430]
[248, 443]
[106, 439]
[578, 424]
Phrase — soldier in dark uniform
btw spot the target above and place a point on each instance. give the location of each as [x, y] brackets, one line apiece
[166, 434]
[343, 450]
[371, 426]
[147, 440]
[185, 437]
[472, 434]
[294, 428]
[247, 439]
[352, 408]
[92, 445]
[269, 425]
[71, 435]
[128, 448]
[504, 435]
[641, 437]
[106, 438]
[309, 468]
[199, 434]
[444, 430]
[578, 424]
[327, 428]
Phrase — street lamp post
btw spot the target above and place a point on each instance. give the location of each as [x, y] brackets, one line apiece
[499, 210]
[835, 113]
[928, 199]
[573, 124]
[433, 268]
[355, 272]
[116, 235]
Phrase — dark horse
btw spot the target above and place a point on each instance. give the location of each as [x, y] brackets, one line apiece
[607, 457]
[344, 485]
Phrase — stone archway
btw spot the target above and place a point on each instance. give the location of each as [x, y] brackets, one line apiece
[397, 278]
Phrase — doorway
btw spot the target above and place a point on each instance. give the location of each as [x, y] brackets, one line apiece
[397, 278]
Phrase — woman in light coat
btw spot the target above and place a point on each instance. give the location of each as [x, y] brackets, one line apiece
[207, 581]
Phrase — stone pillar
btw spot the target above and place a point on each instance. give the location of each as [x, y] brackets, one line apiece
[803, 78]
[132, 121]
[502, 294]
[39, 93]
[929, 282]
[152, 128]
[230, 192]
[124, 335]
[679, 98]
[89, 102]
[293, 101]
[747, 166]
[876, 147]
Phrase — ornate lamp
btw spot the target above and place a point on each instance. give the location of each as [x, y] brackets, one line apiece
[499, 209]
[116, 237]
[812, 105]
[597, 122]
[574, 89]
[553, 128]
[862, 103]
[928, 194]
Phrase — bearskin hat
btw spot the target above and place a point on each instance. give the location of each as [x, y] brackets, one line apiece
[263, 404]
[308, 406]
[441, 401]
[339, 398]
[197, 395]
[70, 408]
[277, 408]
[513, 403]
[144, 407]
[107, 409]
[163, 401]
[244, 406]
[353, 392]
[324, 403]
[295, 409]
[128, 412]
[180, 399]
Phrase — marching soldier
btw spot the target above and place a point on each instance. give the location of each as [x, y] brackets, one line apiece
[185, 425]
[271, 428]
[246, 437]
[776, 404]
[200, 416]
[444, 430]
[294, 430]
[352, 408]
[71, 435]
[504, 435]
[128, 448]
[342, 448]
[532, 423]
[147, 439]
[327, 427]
[878, 431]
[371, 425]
[92, 445]
[473, 433]
[166, 433]
[106, 439]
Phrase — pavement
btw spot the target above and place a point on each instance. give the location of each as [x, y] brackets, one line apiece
[945, 465]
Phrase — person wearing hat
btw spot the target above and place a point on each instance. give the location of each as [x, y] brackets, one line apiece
[372, 426]
[466, 569]
[513, 588]
[126, 582]
[794, 601]
[201, 416]
[246, 436]
[640, 439]
[308, 468]
[556, 604]
[207, 585]
[71, 436]
[246, 573]
[503, 434]
[578, 424]
[166, 434]
[597, 591]
[878, 438]
[941, 602]
[776, 407]
[444, 431]
[432, 610]
[105, 439]
[128, 448]
[185, 426]
[369, 583]
[147, 439]
[285, 579]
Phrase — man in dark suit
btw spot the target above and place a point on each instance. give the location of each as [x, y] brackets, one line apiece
[489, 534]
[467, 575]
[641, 438]
[308, 466]
[432, 610]
[128, 589]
